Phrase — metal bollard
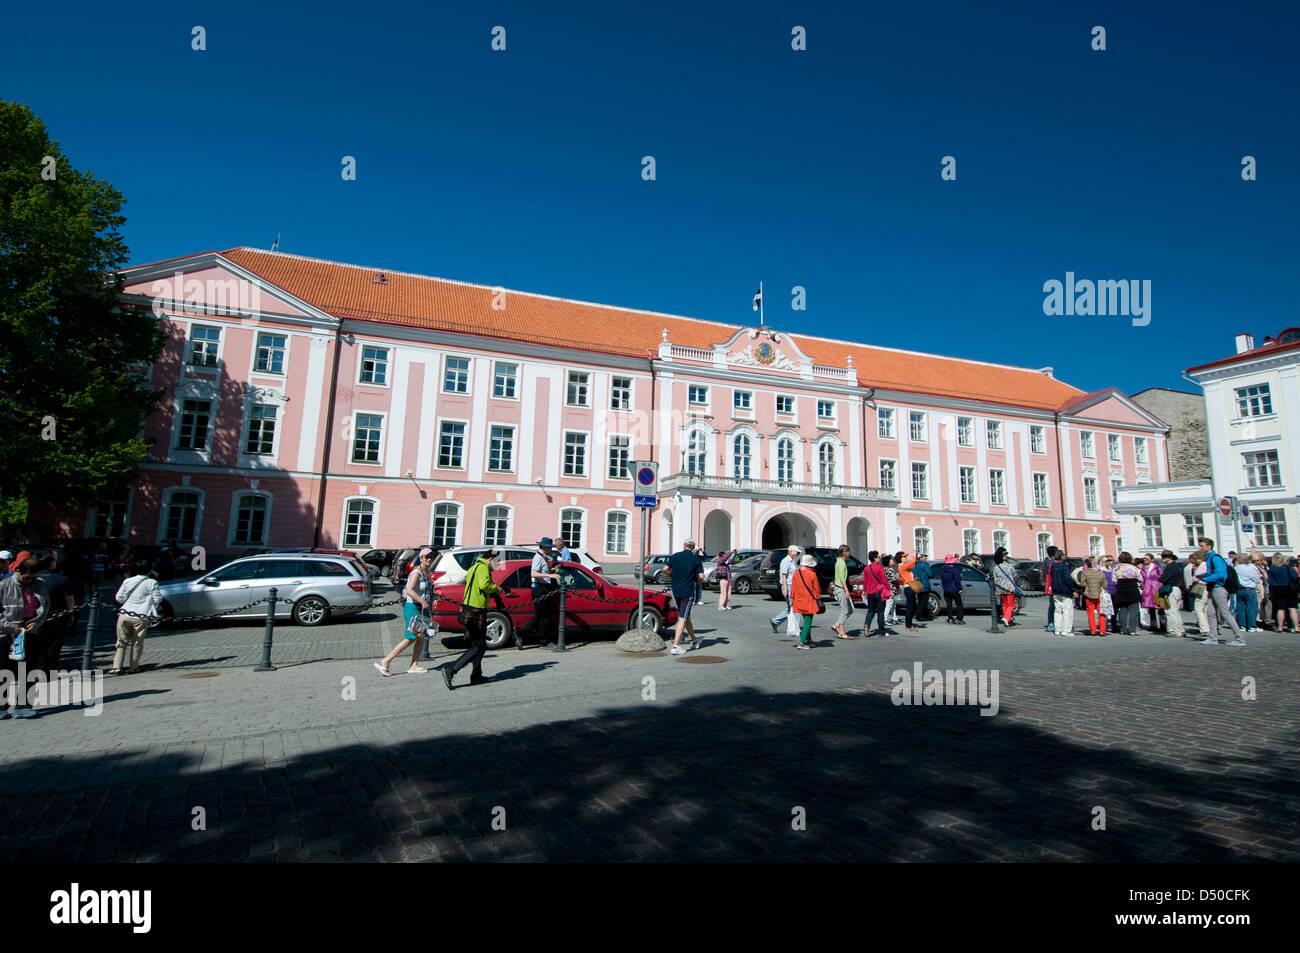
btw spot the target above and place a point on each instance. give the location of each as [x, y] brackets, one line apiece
[266, 665]
[92, 626]
[993, 606]
[559, 638]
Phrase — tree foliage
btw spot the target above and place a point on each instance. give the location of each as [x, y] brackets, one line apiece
[71, 408]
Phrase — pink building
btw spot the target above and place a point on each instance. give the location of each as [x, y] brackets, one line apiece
[319, 403]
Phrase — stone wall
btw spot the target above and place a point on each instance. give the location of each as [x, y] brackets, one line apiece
[1189, 449]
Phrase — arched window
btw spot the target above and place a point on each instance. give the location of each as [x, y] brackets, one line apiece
[251, 510]
[571, 521]
[182, 516]
[826, 464]
[696, 452]
[1095, 546]
[446, 524]
[616, 533]
[496, 525]
[741, 456]
[785, 460]
[1044, 540]
[359, 523]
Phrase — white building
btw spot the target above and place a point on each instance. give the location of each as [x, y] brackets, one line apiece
[1254, 456]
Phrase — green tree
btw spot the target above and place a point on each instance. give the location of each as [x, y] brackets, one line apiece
[71, 410]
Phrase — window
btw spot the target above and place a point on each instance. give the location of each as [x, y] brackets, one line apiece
[270, 353]
[496, 525]
[501, 449]
[826, 464]
[1112, 447]
[916, 425]
[1037, 439]
[620, 458]
[575, 454]
[1095, 547]
[250, 519]
[970, 541]
[359, 523]
[1262, 468]
[920, 484]
[885, 422]
[451, 445]
[740, 456]
[1001, 539]
[997, 488]
[195, 418]
[921, 542]
[204, 342]
[965, 431]
[742, 402]
[993, 434]
[1254, 401]
[365, 445]
[888, 469]
[698, 395]
[1193, 528]
[182, 516]
[1044, 540]
[576, 391]
[1090, 501]
[1152, 538]
[374, 365]
[1041, 499]
[785, 405]
[695, 458]
[1085, 442]
[1270, 527]
[110, 517]
[571, 528]
[504, 377]
[261, 430]
[616, 533]
[1114, 490]
[967, 478]
[825, 410]
[620, 393]
[1140, 450]
[446, 524]
[455, 376]
[785, 460]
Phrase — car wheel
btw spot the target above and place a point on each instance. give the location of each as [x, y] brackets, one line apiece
[1022, 582]
[659, 578]
[932, 604]
[311, 611]
[1020, 604]
[650, 619]
[742, 586]
[499, 630]
[165, 612]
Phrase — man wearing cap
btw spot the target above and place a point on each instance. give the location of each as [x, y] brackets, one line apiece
[688, 572]
[789, 565]
[546, 584]
[6, 558]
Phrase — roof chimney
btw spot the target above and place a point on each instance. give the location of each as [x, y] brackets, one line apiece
[1047, 371]
[1245, 342]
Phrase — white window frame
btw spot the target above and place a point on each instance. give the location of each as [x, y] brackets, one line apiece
[580, 388]
[925, 479]
[1114, 447]
[968, 547]
[1280, 537]
[821, 447]
[966, 434]
[247, 430]
[1092, 505]
[464, 445]
[627, 532]
[697, 404]
[880, 473]
[1270, 469]
[1087, 445]
[1001, 540]
[586, 455]
[1193, 528]
[204, 450]
[997, 488]
[733, 458]
[1147, 528]
[886, 420]
[1096, 546]
[922, 538]
[631, 391]
[1043, 541]
[190, 341]
[510, 524]
[827, 418]
[513, 377]
[514, 456]
[356, 427]
[284, 354]
[1140, 451]
[993, 434]
[964, 493]
[262, 543]
[1262, 392]
[468, 370]
[1039, 445]
[361, 364]
[1047, 489]
[459, 509]
[582, 527]
[165, 510]
[609, 457]
[925, 426]
[746, 412]
[374, 521]
[796, 462]
[793, 412]
[1115, 487]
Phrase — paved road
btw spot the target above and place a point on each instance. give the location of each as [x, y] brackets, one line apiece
[581, 758]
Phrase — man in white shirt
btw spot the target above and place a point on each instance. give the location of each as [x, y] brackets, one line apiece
[1247, 594]
[789, 566]
[140, 598]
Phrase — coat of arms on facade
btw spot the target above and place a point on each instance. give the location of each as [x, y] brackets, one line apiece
[764, 355]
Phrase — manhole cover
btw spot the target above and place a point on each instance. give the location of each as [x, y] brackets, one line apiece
[658, 654]
[702, 659]
[200, 675]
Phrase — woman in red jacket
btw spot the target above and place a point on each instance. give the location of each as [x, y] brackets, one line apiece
[805, 591]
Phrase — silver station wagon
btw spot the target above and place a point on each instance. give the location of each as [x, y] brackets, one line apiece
[317, 586]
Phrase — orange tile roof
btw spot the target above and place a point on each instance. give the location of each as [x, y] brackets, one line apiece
[440, 304]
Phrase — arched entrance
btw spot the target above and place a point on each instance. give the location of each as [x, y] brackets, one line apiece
[667, 531]
[789, 529]
[717, 532]
[859, 537]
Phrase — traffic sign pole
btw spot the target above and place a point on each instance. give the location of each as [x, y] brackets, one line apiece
[640, 589]
[645, 490]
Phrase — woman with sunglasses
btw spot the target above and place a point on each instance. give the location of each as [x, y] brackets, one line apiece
[418, 612]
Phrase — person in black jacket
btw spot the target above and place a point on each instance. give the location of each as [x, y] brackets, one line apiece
[1171, 587]
[1062, 593]
[1051, 603]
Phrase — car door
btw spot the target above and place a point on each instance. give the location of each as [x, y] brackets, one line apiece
[974, 588]
[584, 610]
[516, 595]
[224, 590]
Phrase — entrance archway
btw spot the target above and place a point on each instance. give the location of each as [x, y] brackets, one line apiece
[859, 537]
[789, 529]
[717, 532]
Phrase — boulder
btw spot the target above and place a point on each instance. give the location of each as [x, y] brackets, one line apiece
[642, 640]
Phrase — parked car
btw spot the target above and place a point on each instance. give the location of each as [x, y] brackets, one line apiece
[593, 604]
[1029, 574]
[317, 585]
[452, 566]
[769, 574]
[583, 558]
[974, 590]
[381, 559]
[655, 569]
[744, 575]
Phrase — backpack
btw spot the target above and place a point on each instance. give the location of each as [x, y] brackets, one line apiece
[1231, 584]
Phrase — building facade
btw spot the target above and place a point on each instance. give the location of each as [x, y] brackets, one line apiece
[1251, 400]
[1189, 449]
[318, 403]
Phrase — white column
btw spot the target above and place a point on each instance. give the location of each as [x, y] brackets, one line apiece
[396, 419]
[311, 408]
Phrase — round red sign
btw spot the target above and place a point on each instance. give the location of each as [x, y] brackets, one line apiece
[1225, 506]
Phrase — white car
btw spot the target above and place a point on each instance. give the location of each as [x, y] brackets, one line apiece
[583, 558]
[454, 564]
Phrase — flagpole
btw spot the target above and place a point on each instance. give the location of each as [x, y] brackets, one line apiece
[760, 303]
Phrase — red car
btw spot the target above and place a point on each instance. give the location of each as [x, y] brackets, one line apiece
[585, 611]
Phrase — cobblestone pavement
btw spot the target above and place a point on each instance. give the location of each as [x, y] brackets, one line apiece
[593, 755]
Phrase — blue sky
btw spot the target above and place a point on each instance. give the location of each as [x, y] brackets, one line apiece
[817, 168]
